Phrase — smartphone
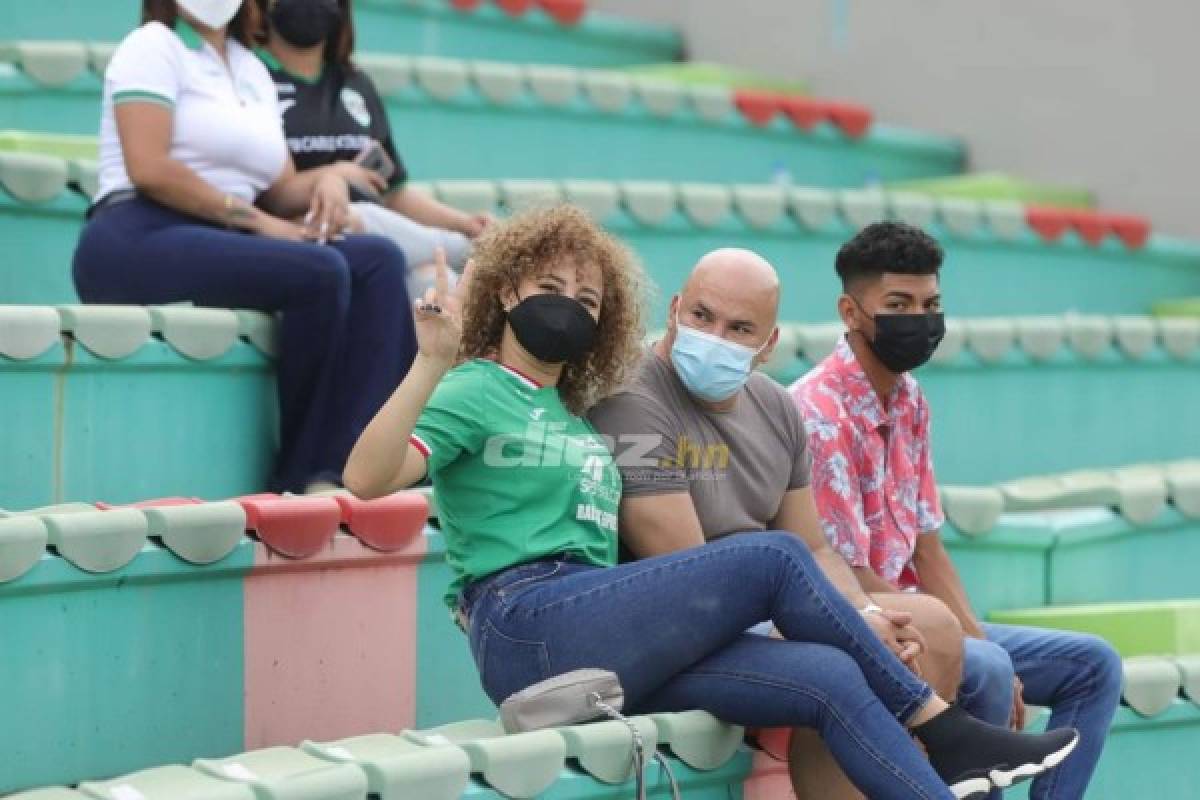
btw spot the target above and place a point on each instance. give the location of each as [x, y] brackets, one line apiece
[376, 159]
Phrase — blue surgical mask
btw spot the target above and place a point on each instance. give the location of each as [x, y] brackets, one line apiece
[710, 367]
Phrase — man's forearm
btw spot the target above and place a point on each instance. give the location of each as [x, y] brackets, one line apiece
[841, 576]
[871, 582]
[940, 579]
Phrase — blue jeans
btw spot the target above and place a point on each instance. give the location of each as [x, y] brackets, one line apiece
[1077, 675]
[346, 336]
[673, 628]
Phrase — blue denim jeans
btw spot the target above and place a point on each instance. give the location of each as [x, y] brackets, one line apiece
[1078, 676]
[673, 628]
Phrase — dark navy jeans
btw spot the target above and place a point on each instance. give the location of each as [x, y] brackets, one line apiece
[346, 328]
[673, 628]
[1076, 674]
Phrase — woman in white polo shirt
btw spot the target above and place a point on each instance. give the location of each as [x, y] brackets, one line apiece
[196, 203]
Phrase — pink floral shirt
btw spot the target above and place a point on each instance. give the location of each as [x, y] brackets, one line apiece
[872, 470]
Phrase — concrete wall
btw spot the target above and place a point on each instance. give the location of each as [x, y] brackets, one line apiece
[1101, 94]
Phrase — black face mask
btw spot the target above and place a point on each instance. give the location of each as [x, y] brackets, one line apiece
[305, 23]
[553, 328]
[904, 342]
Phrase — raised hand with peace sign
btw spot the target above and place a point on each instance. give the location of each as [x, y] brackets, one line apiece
[438, 314]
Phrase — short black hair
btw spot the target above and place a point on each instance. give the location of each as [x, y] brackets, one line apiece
[888, 247]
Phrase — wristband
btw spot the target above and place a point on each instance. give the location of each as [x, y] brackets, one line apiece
[870, 608]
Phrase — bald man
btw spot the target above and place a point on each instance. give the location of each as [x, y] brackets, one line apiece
[708, 447]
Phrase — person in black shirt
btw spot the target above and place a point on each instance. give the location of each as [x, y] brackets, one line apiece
[334, 119]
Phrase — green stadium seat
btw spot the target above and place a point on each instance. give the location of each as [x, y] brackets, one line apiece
[973, 510]
[469, 196]
[705, 204]
[443, 78]
[697, 738]
[102, 541]
[609, 92]
[398, 769]
[1135, 629]
[284, 773]
[27, 332]
[1089, 335]
[711, 103]
[661, 98]
[392, 74]
[1135, 335]
[520, 195]
[604, 749]
[914, 209]
[1189, 673]
[815, 209]
[519, 765]
[198, 333]
[199, 534]
[258, 329]
[991, 340]
[1151, 684]
[167, 783]
[601, 199]
[111, 332]
[23, 542]
[995, 186]
[553, 86]
[648, 202]
[960, 216]
[501, 84]
[861, 207]
[761, 206]
[32, 178]
[1006, 219]
[49, 63]
[1180, 336]
[1041, 338]
[1183, 483]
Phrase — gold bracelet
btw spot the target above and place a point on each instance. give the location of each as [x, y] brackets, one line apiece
[228, 211]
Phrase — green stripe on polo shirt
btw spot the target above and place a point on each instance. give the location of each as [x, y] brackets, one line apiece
[142, 96]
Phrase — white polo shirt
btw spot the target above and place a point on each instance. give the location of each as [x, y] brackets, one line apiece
[227, 123]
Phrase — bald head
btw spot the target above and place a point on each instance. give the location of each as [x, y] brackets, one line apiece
[744, 274]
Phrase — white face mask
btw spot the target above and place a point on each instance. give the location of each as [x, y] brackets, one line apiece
[212, 14]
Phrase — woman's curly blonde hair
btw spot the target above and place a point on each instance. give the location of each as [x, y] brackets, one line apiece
[510, 251]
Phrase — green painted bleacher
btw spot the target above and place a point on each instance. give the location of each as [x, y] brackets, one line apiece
[1163, 628]
[999, 186]
[426, 27]
[122, 404]
[555, 122]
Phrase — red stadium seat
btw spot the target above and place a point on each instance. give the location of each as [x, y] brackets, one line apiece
[565, 12]
[854, 120]
[758, 107]
[385, 524]
[804, 112]
[466, 5]
[1049, 223]
[1129, 228]
[515, 8]
[296, 527]
[1090, 226]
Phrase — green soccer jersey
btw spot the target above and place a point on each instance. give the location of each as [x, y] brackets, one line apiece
[518, 477]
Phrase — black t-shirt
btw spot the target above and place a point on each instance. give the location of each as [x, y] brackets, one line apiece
[332, 118]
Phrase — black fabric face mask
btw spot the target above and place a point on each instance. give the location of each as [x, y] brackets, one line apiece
[305, 23]
[904, 342]
[553, 328]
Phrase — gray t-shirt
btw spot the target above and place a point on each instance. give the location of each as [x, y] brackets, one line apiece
[736, 464]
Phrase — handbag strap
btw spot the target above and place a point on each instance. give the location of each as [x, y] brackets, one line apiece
[639, 749]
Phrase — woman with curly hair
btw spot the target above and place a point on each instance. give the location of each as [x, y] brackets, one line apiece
[546, 321]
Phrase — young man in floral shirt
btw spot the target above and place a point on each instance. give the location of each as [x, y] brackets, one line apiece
[873, 480]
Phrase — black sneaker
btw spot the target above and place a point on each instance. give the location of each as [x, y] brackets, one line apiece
[973, 757]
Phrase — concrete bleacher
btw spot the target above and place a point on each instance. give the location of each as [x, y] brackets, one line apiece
[287, 647]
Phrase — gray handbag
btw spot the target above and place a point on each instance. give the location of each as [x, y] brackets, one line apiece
[574, 697]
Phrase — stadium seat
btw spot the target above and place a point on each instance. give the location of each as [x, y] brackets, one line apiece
[599, 198]
[972, 510]
[100, 541]
[198, 333]
[553, 86]
[661, 98]
[565, 12]
[698, 738]
[604, 749]
[761, 206]
[284, 773]
[110, 332]
[519, 765]
[23, 542]
[705, 204]
[650, 203]
[27, 332]
[386, 524]
[500, 83]
[1151, 684]
[199, 534]
[167, 783]
[609, 92]
[296, 527]
[33, 178]
[398, 769]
